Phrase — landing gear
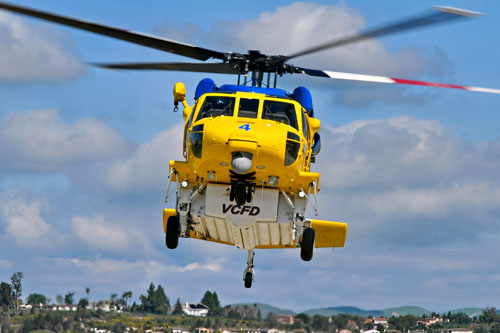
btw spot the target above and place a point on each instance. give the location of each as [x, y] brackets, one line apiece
[249, 274]
[306, 249]
[242, 187]
[172, 235]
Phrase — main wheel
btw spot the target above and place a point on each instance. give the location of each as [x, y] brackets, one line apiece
[240, 195]
[306, 250]
[172, 235]
[248, 279]
[249, 194]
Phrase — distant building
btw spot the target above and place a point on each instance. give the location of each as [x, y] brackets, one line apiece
[371, 331]
[381, 321]
[202, 330]
[283, 318]
[195, 309]
[430, 321]
[453, 330]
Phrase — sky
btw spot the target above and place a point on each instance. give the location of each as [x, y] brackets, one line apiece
[414, 171]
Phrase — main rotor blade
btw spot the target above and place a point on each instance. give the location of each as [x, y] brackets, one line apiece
[441, 15]
[154, 42]
[385, 79]
[219, 68]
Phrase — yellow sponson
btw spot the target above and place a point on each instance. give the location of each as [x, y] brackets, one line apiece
[166, 214]
[329, 234]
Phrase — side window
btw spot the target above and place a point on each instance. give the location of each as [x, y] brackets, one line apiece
[281, 112]
[215, 106]
[248, 108]
[305, 125]
[191, 116]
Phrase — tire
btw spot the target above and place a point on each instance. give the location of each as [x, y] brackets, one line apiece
[249, 194]
[306, 250]
[240, 195]
[231, 193]
[172, 235]
[248, 280]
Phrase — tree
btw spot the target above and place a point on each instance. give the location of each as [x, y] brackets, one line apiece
[156, 301]
[5, 295]
[87, 291]
[36, 299]
[112, 300]
[59, 299]
[127, 296]
[212, 301]
[178, 308]
[83, 303]
[17, 288]
[69, 298]
[303, 317]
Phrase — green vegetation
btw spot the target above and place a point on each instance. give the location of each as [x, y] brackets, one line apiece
[154, 312]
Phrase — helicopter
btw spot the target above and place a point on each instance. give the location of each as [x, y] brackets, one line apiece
[246, 177]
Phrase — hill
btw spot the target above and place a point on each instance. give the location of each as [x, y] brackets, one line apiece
[468, 311]
[265, 309]
[404, 310]
[343, 309]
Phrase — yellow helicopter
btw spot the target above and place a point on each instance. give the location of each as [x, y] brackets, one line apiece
[246, 179]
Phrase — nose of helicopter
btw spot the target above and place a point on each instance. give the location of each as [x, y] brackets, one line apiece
[241, 162]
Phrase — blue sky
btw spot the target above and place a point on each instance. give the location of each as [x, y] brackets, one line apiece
[414, 171]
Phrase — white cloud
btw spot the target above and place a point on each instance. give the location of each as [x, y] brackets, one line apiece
[213, 267]
[100, 234]
[23, 221]
[409, 182]
[302, 25]
[40, 140]
[147, 167]
[33, 52]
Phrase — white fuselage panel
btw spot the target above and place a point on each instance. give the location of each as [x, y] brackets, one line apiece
[264, 206]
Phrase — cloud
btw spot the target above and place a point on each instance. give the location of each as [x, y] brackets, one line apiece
[301, 25]
[98, 234]
[40, 141]
[147, 167]
[409, 182]
[23, 221]
[33, 52]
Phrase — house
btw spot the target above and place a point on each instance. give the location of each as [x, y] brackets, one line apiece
[371, 331]
[283, 318]
[275, 330]
[202, 330]
[345, 331]
[453, 330]
[351, 325]
[430, 321]
[179, 330]
[195, 309]
[381, 321]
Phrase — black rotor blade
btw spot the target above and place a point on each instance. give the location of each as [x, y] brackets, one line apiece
[440, 15]
[129, 36]
[219, 68]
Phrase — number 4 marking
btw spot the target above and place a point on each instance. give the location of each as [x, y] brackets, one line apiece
[246, 127]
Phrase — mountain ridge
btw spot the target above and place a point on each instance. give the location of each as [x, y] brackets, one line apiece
[265, 309]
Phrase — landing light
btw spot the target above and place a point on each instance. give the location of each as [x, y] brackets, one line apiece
[302, 194]
[273, 180]
[184, 183]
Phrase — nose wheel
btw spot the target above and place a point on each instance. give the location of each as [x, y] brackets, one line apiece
[249, 274]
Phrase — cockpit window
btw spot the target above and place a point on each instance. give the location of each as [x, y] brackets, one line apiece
[280, 112]
[248, 108]
[215, 106]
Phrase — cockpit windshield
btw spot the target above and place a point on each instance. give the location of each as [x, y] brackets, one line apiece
[281, 112]
[215, 106]
[248, 108]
